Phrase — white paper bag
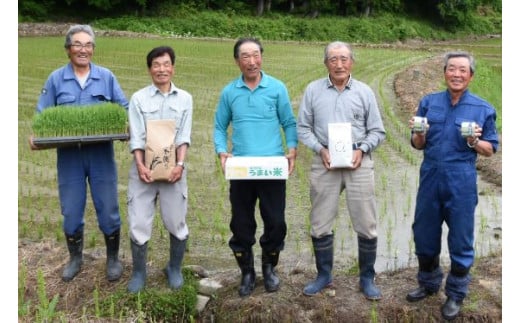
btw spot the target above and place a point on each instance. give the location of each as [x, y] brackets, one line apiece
[340, 144]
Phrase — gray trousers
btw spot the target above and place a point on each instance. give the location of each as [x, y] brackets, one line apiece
[142, 199]
[326, 187]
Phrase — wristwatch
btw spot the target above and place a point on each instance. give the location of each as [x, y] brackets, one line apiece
[180, 164]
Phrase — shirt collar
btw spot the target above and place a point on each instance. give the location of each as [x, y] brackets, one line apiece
[262, 83]
[347, 86]
[154, 90]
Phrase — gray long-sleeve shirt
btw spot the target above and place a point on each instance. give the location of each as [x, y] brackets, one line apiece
[322, 104]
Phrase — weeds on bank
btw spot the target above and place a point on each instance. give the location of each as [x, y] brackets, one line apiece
[46, 309]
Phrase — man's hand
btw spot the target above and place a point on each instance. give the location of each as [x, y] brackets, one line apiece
[291, 157]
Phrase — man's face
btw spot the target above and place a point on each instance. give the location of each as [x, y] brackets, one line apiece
[339, 64]
[162, 70]
[81, 49]
[249, 60]
[458, 74]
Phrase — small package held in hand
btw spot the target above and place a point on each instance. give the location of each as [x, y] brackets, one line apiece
[420, 124]
[340, 144]
[159, 154]
[467, 129]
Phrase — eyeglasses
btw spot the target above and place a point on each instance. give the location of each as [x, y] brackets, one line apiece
[79, 46]
[335, 59]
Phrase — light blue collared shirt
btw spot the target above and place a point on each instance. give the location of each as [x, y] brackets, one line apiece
[149, 103]
[257, 117]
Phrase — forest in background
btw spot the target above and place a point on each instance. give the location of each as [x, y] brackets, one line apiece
[443, 17]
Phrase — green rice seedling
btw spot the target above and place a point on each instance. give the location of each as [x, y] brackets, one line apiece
[58, 234]
[23, 304]
[46, 219]
[374, 318]
[92, 239]
[23, 230]
[95, 296]
[40, 231]
[46, 309]
[88, 120]
[389, 235]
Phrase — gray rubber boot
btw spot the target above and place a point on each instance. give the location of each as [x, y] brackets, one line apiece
[269, 261]
[324, 254]
[75, 246]
[367, 249]
[173, 270]
[138, 279]
[114, 267]
[245, 261]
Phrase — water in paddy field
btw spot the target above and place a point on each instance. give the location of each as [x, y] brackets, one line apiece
[396, 188]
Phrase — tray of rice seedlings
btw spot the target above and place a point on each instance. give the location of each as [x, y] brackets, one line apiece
[69, 125]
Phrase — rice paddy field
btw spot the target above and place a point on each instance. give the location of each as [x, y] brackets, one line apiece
[204, 67]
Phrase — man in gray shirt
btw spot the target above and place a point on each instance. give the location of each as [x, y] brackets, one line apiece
[339, 98]
[161, 100]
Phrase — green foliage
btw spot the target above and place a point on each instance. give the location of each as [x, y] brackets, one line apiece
[155, 305]
[34, 10]
[23, 305]
[378, 29]
[448, 14]
[98, 119]
[46, 309]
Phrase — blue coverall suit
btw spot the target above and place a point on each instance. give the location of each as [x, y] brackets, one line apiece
[448, 188]
[93, 161]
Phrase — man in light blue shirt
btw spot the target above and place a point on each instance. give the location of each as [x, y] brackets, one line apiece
[258, 107]
[82, 83]
[161, 100]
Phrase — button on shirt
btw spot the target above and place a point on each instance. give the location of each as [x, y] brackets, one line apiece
[150, 104]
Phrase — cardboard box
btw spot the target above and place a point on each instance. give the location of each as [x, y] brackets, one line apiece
[257, 168]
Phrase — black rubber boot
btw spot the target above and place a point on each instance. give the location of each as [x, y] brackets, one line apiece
[324, 254]
[245, 261]
[269, 261]
[138, 279]
[173, 270]
[75, 246]
[114, 267]
[429, 277]
[367, 249]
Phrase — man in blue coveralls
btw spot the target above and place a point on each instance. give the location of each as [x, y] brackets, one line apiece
[448, 180]
[81, 82]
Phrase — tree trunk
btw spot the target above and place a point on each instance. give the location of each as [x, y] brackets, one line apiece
[259, 8]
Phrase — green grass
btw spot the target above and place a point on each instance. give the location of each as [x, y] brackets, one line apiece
[204, 67]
